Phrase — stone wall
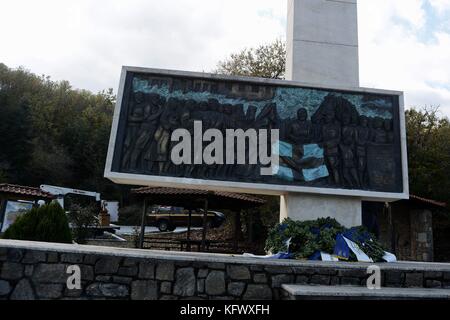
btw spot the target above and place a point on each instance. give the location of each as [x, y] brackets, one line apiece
[30, 270]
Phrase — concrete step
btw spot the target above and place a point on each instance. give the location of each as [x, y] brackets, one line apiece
[305, 292]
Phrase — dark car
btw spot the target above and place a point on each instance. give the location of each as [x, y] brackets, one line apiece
[169, 218]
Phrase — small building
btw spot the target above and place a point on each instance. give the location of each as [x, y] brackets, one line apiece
[417, 229]
[15, 200]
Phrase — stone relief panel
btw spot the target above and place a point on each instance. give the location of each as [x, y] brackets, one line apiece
[327, 138]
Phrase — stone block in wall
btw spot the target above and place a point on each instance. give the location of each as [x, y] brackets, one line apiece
[280, 279]
[34, 257]
[52, 257]
[23, 291]
[238, 272]
[393, 278]
[414, 279]
[216, 265]
[49, 291]
[28, 271]
[5, 288]
[50, 273]
[320, 280]
[260, 278]
[433, 284]
[202, 273]
[236, 289]
[128, 271]
[3, 254]
[278, 269]
[107, 265]
[433, 275]
[146, 270]
[302, 279]
[166, 287]
[130, 262]
[107, 290]
[350, 281]
[165, 271]
[87, 272]
[258, 292]
[91, 259]
[11, 271]
[122, 280]
[144, 290]
[215, 283]
[72, 258]
[15, 255]
[103, 278]
[356, 273]
[201, 285]
[168, 297]
[185, 283]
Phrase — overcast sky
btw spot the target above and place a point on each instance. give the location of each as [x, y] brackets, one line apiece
[404, 44]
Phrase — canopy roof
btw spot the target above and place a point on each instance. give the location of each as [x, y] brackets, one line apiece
[16, 192]
[192, 199]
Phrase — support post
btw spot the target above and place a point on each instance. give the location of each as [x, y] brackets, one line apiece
[205, 217]
[188, 247]
[142, 235]
[237, 229]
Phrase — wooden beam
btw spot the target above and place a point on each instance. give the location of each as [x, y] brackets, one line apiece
[205, 217]
[188, 247]
[144, 215]
[237, 230]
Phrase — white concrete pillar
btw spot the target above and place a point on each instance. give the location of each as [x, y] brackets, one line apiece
[322, 42]
[322, 49]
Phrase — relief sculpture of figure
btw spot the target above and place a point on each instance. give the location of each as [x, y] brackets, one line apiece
[169, 120]
[389, 133]
[347, 150]
[331, 135]
[300, 130]
[362, 138]
[379, 135]
[135, 119]
[148, 131]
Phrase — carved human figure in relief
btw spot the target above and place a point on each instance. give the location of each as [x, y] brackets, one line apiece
[331, 135]
[300, 131]
[389, 132]
[153, 111]
[362, 138]
[379, 135]
[347, 152]
[136, 116]
[168, 122]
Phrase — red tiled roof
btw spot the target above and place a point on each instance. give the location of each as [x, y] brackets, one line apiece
[25, 191]
[176, 191]
[429, 201]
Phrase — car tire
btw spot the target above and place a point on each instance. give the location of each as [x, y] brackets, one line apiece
[163, 225]
[172, 228]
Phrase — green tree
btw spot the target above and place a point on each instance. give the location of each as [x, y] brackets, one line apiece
[51, 133]
[265, 61]
[428, 136]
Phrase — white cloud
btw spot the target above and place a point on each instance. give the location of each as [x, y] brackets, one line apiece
[394, 56]
[441, 6]
[86, 41]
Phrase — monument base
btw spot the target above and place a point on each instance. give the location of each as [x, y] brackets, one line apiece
[303, 207]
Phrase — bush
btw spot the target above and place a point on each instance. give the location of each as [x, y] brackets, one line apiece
[81, 218]
[47, 224]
